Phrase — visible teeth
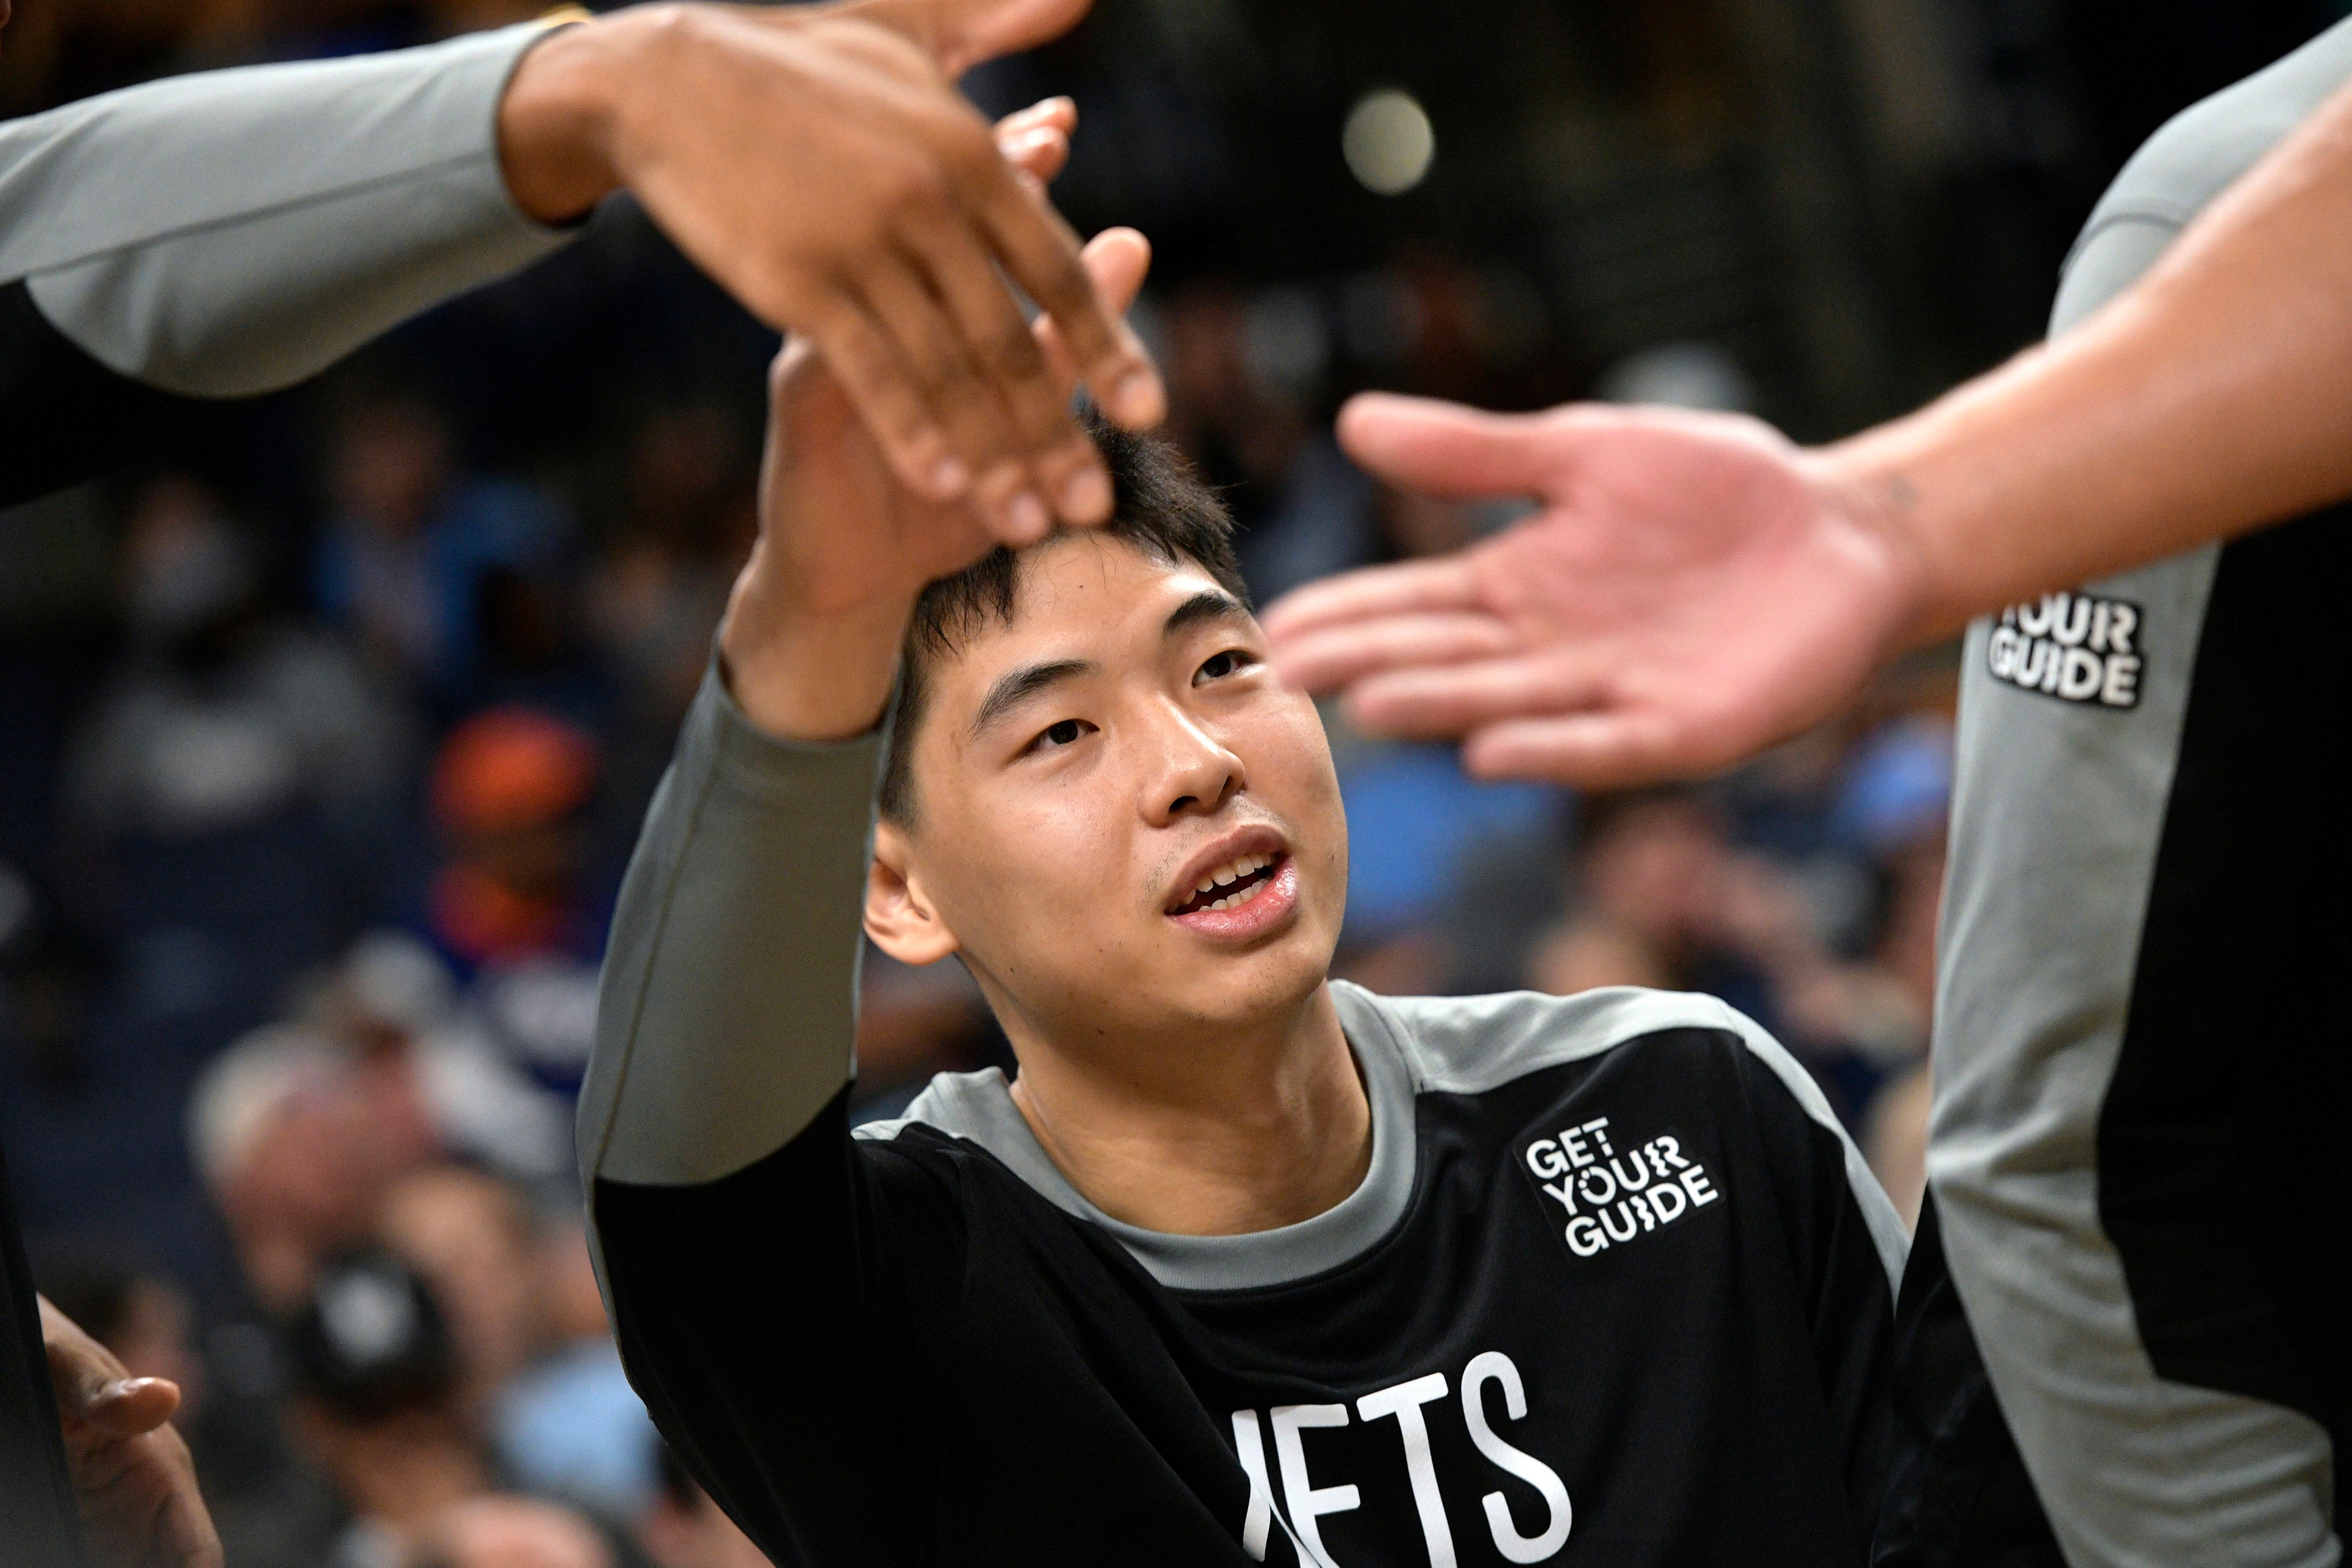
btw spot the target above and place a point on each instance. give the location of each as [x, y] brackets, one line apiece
[1233, 871]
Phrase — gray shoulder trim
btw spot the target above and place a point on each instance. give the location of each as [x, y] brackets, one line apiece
[727, 1017]
[1404, 1048]
[228, 233]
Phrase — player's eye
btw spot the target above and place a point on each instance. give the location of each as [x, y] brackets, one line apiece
[1054, 737]
[1232, 661]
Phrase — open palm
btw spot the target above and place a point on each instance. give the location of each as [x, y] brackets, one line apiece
[1637, 626]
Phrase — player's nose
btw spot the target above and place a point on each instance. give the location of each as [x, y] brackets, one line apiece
[1193, 770]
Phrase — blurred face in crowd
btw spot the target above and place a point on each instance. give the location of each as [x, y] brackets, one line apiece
[1657, 870]
[675, 1533]
[391, 466]
[515, 1533]
[471, 1239]
[309, 1184]
[1081, 773]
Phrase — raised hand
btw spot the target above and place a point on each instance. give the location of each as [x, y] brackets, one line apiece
[1638, 626]
[845, 546]
[819, 164]
[132, 1478]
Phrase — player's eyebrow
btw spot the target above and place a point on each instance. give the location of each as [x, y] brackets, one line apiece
[1208, 605]
[1013, 689]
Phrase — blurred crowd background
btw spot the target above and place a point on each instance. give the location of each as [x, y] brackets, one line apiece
[324, 737]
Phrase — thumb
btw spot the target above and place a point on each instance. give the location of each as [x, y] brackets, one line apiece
[1446, 450]
[131, 1405]
[961, 33]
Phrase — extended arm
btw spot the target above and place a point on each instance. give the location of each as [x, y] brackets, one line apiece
[232, 232]
[1697, 587]
[228, 233]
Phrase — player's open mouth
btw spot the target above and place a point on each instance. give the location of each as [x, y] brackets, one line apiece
[1232, 885]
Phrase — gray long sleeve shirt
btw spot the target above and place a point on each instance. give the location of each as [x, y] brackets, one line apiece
[230, 233]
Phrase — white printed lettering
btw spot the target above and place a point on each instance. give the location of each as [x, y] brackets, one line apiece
[1259, 1517]
[1404, 1402]
[1494, 1366]
[1695, 1183]
[1308, 1503]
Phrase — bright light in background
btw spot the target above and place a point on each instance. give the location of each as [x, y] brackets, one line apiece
[1387, 141]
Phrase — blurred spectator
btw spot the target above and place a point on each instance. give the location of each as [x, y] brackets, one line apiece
[682, 1528]
[537, 1366]
[511, 1532]
[438, 1076]
[571, 1426]
[510, 789]
[286, 1138]
[1587, 953]
[226, 711]
[377, 1410]
[418, 555]
[469, 1236]
[1894, 1140]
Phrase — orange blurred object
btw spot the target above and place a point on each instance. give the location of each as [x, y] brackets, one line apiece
[511, 768]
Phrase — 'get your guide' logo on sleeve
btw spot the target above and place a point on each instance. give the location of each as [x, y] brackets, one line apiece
[1609, 1196]
[2077, 647]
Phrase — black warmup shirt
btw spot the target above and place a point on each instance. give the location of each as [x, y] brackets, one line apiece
[1615, 1290]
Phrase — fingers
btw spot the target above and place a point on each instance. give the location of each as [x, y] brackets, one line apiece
[961, 33]
[1448, 702]
[1040, 254]
[1063, 474]
[1600, 749]
[1342, 655]
[1036, 139]
[935, 344]
[1119, 260]
[867, 363]
[1447, 449]
[1411, 587]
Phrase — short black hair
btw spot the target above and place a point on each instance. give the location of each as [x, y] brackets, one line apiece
[1160, 505]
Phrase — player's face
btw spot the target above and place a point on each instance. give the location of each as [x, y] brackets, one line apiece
[1080, 773]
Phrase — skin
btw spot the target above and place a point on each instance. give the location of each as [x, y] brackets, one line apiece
[1695, 587]
[132, 1478]
[883, 212]
[1184, 1081]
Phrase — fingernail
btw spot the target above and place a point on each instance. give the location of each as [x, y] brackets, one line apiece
[949, 478]
[1027, 517]
[1135, 399]
[1086, 496]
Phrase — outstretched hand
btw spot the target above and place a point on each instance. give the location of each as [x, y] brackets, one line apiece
[1638, 626]
[845, 546]
[819, 164]
[132, 1478]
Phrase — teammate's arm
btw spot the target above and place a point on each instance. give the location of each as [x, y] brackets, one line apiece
[228, 233]
[1697, 587]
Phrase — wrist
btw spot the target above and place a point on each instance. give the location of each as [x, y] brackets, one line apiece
[805, 675]
[1874, 481]
[556, 118]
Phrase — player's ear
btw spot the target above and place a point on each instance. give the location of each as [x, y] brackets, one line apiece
[898, 917]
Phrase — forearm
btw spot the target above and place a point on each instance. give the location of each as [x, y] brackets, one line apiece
[2214, 397]
[727, 1008]
[228, 233]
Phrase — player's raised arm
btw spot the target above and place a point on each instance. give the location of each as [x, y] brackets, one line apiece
[1697, 587]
